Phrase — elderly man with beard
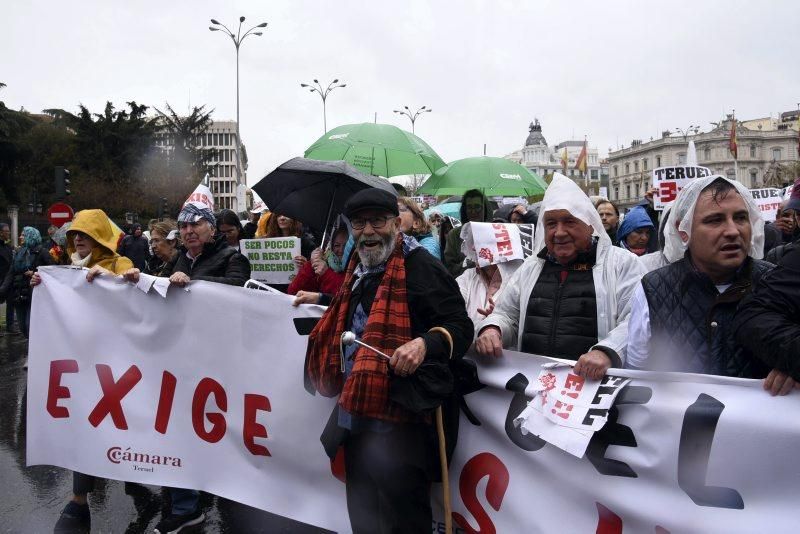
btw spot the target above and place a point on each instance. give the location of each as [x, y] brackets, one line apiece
[571, 300]
[682, 314]
[399, 299]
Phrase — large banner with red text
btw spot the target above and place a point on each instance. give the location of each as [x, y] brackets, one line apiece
[204, 389]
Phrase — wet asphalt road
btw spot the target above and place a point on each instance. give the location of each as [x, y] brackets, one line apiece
[31, 498]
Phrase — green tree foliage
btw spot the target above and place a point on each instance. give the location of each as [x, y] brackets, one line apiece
[13, 151]
[111, 145]
[188, 156]
[114, 158]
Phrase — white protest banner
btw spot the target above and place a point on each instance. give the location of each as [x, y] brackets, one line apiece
[132, 386]
[669, 181]
[491, 243]
[272, 259]
[679, 453]
[201, 197]
[768, 200]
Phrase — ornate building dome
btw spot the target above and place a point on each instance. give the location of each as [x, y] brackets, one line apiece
[535, 136]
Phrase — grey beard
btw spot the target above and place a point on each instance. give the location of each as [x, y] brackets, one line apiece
[376, 257]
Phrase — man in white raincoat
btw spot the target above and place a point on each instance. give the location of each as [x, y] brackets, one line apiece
[572, 299]
[682, 314]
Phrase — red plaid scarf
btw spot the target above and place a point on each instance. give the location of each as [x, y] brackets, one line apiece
[366, 391]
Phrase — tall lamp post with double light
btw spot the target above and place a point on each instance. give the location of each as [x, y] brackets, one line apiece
[316, 87]
[412, 116]
[237, 39]
[691, 130]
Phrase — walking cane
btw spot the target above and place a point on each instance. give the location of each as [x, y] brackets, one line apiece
[448, 510]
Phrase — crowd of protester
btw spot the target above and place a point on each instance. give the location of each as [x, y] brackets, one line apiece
[694, 288]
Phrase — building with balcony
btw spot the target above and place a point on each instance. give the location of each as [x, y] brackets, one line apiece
[767, 156]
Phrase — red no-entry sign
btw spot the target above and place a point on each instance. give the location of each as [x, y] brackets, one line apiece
[60, 213]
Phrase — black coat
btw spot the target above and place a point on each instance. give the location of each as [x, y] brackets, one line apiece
[137, 249]
[219, 262]
[6, 255]
[156, 267]
[768, 320]
[16, 286]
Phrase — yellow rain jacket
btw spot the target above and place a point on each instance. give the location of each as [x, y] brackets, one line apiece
[97, 225]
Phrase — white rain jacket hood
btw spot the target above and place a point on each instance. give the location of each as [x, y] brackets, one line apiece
[683, 213]
[616, 273]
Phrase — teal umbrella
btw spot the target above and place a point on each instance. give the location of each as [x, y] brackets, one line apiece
[492, 176]
[450, 209]
[377, 149]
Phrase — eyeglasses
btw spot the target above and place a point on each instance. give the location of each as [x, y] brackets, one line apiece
[376, 222]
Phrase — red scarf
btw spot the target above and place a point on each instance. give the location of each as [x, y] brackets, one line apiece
[366, 391]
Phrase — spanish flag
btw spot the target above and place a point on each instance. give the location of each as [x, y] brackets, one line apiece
[732, 144]
[564, 160]
[581, 163]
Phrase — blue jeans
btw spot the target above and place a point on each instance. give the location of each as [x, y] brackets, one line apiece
[184, 501]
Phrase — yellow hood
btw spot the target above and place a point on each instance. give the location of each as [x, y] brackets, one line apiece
[97, 225]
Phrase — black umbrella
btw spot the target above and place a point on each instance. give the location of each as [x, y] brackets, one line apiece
[311, 191]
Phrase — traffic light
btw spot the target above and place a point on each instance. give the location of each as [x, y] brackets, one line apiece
[162, 208]
[61, 182]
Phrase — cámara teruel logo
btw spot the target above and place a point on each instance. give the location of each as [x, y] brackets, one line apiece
[118, 455]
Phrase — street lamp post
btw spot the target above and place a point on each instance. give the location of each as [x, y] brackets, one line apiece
[323, 93]
[692, 129]
[412, 116]
[237, 42]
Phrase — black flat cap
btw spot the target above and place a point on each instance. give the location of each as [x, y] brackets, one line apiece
[371, 199]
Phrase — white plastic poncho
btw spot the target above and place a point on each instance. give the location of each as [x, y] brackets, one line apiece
[616, 273]
[683, 213]
[564, 194]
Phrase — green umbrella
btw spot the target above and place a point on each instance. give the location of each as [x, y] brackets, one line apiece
[492, 176]
[377, 149]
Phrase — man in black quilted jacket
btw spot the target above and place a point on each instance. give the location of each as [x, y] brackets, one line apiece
[682, 314]
[768, 323]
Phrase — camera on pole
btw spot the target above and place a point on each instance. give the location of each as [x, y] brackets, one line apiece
[62, 182]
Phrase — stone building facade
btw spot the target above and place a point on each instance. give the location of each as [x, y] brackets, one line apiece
[767, 156]
[221, 136]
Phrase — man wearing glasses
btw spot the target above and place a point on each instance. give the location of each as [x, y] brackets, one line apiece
[400, 300]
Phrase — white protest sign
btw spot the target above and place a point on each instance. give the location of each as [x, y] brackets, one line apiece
[201, 197]
[668, 182]
[768, 200]
[272, 259]
[128, 385]
[491, 243]
[567, 410]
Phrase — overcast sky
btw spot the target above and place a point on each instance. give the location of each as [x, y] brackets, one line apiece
[613, 71]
